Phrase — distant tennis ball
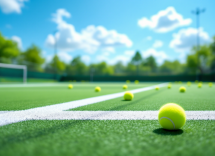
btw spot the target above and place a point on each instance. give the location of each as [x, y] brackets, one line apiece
[200, 85]
[196, 81]
[136, 81]
[124, 86]
[182, 89]
[210, 84]
[157, 88]
[189, 83]
[97, 89]
[169, 86]
[128, 96]
[70, 86]
[128, 81]
[171, 116]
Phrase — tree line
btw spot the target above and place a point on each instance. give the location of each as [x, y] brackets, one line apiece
[200, 60]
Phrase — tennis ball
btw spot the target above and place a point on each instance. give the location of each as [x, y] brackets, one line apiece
[157, 88]
[70, 86]
[128, 96]
[189, 83]
[196, 81]
[136, 81]
[182, 89]
[169, 86]
[179, 82]
[171, 116]
[124, 86]
[210, 84]
[200, 85]
[128, 81]
[97, 89]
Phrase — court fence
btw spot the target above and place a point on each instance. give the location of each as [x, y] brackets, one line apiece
[14, 73]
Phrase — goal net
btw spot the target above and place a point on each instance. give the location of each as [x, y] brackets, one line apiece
[12, 73]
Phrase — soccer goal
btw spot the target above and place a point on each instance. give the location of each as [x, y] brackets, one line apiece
[13, 66]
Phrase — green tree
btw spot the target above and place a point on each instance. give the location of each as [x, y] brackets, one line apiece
[8, 50]
[212, 47]
[172, 67]
[32, 58]
[131, 68]
[151, 62]
[119, 68]
[102, 68]
[77, 67]
[200, 59]
[137, 60]
[58, 65]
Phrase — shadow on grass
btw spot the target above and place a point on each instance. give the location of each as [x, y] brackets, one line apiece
[135, 101]
[162, 131]
[38, 132]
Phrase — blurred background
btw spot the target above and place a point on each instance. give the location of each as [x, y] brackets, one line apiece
[94, 40]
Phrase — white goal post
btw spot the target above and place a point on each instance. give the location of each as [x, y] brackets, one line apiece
[14, 66]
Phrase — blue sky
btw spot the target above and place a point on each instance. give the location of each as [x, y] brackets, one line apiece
[107, 30]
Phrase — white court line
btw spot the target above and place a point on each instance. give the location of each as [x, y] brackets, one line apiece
[56, 112]
[17, 116]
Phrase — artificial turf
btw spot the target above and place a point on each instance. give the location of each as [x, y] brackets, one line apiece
[20, 98]
[134, 137]
[193, 99]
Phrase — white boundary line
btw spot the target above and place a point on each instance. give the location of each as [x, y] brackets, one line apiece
[17, 116]
[57, 112]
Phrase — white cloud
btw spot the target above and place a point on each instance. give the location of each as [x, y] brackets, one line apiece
[108, 49]
[182, 57]
[149, 38]
[164, 21]
[18, 40]
[160, 56]
[185, 39]
[89, 39]
[85, 58]
[65, 57]
[129, 52]
[158, 44]
[113, 60]
[9, 6]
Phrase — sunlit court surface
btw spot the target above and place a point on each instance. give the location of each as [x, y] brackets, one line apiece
[107, 78]
[97, 128]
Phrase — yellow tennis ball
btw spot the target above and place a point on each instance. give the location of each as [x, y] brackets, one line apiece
[124, 86]
[157, 88]
[136, 81]
[171, 116]
[97, 89]
[182, 89]
[128, 96]
[169, 86]
[210, 84]
[189, 83]
[128, 81]
[200, 85]
[70, 86]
